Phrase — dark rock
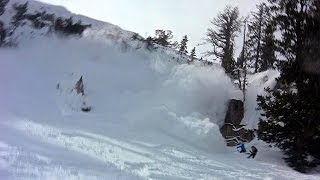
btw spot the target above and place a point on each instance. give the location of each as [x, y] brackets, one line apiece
[232, 131]
[80, 86]
[3, 33]
[235, 112]
[86, 109]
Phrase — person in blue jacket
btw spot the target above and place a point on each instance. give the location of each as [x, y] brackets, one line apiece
[242, 148]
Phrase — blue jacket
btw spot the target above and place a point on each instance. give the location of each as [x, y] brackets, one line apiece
[242, 148]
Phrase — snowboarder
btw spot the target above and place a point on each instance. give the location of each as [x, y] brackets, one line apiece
[253, 152]
[241, 148]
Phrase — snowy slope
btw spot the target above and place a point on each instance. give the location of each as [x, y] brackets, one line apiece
[151, 118]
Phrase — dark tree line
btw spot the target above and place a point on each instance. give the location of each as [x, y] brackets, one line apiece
[292, 109]
[261, 39]
[21, 10]
[3, 4]
[3, 32]
[259, 44]
[164, 38]
[291, 118]
[39, 20]
[68, 27]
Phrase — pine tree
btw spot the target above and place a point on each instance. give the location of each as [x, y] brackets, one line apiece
[3, 4]
[20, 14]
[183, 45]
[292, 112]
[268, 48]
[222, 35]
[68, 27]
[193, 55]
[3, 33]
[256, 27]
[149, 43]
[163, 37]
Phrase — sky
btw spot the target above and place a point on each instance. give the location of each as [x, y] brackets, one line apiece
[183, 17]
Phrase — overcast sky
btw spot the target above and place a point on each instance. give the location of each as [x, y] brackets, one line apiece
[190, 17]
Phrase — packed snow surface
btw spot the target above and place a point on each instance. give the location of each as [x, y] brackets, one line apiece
[151, 117]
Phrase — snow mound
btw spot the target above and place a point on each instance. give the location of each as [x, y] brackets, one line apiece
[257, 83]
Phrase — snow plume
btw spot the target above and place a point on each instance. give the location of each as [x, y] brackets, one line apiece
[199, 89]
[138, 87]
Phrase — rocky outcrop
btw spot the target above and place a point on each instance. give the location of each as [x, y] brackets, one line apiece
[235, 112]
[80, 87]
[232, 130]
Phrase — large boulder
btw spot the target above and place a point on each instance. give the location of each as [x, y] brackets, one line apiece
[232, 130]
[235, 112]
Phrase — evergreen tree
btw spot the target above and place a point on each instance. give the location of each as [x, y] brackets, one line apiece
[163, 37]
[3, 4]
[291, 114]
[312, 61]
[149, 43]
[183, 45]
[3, 33]
[268, 48]
[225, 28]
[67, 27]
[21, 11]
[256, 28]
[193, 55]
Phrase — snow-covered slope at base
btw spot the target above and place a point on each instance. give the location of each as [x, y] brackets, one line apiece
[52, 153]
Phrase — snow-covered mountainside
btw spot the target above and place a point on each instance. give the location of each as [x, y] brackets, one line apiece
[151, 117]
